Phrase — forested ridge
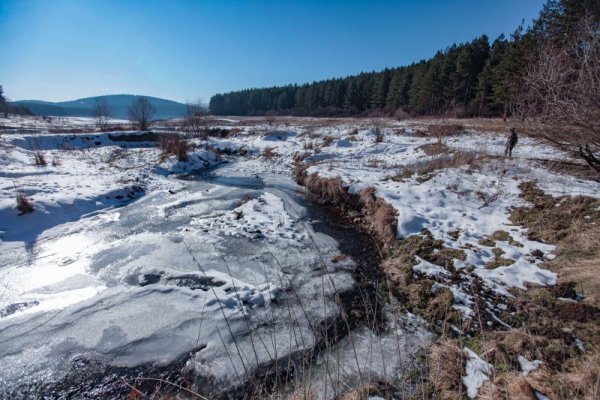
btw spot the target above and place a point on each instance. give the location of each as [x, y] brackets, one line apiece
[478, 78]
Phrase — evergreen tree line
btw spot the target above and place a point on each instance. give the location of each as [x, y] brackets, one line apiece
[468, 79]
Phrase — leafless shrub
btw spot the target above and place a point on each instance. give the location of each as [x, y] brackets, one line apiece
[3, 144]
[141, 113]
[378, 135]
[327, 140]
[56, 161]
[196, 118]
[102, 111]
[308, 145]
[561, 93]
[23, 203]
[269, 152]
[173, 144]
[39, 159]
[38, 156]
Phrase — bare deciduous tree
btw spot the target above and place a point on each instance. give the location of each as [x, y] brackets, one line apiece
[102, 111]
[560, 100]
[141, 113]
[196, 118]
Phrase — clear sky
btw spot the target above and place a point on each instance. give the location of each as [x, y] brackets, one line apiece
[184, 49]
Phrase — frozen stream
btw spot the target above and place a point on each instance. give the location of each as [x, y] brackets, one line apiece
[220, 281]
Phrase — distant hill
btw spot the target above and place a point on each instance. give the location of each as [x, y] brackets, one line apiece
[119, 104]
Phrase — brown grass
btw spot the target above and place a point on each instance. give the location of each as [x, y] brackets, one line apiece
[382, 216]
[269, 152]
[496, 125]
[379, 216]
[434, 149]
[545, 327]
[39, 159]
[426, 168]
[446, 365]
[298, 157]
[362, 393]
[378, 135]
[510, 386]
[445, 129]
[573, 224]
[173, 144]
[23, 203]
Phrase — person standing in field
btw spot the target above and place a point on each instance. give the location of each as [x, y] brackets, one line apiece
[511, 142]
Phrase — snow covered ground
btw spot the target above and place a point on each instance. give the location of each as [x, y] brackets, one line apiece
[124, 263]
[463, 205]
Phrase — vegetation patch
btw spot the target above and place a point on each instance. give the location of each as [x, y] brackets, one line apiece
[498, 236]
[552, 324]
[434, 149]
[415, 293]
[23, 203]
[173, 144]
[499, 262]
[445, 129]
[426, 168]
[573, 224]
[378, 215]
[269, 152]
[445, 361]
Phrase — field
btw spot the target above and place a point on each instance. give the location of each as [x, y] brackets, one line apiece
[232, 260]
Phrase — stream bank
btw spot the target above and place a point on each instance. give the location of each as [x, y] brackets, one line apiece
[231, 283]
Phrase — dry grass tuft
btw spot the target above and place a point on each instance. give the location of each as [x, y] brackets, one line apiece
[445, 129]
[173, 144]
[269, 152]
[299, 157]
[426, 168]
[378, 135]
[435, 149]
[382, 216]
[581, 380]
[446, 365]
[302, 394]
[23, 203]
[510, 386]
[363, 392]
[39, 159]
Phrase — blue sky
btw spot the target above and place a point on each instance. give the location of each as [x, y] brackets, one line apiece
[183, 49]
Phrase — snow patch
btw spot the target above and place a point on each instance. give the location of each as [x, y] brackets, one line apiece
[477, 373]
[528, 366]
